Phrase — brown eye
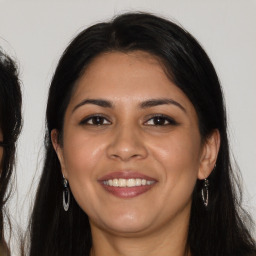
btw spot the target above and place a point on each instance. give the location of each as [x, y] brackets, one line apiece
[160, 120]
[95, 120]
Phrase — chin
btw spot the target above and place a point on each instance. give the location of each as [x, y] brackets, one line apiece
[128, 229]
[126, 224]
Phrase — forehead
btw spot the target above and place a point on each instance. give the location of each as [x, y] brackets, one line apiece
[119, 67]
[131, 76]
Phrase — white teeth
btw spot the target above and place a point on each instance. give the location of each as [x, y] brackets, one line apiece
[138, 182]
[128, 182]
[122, 183]
[115, 182]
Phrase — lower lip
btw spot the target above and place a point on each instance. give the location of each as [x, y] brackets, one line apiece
[127, 192]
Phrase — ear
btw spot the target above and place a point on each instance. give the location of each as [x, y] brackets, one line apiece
[59, 150]
[209, 155]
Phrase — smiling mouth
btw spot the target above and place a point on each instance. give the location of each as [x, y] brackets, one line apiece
[123, 183]
[127, 185]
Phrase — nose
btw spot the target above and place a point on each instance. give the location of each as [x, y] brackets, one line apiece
[126, 144]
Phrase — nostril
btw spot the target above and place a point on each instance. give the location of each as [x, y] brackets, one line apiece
[125, 156]
[128, 154]
[126, 145]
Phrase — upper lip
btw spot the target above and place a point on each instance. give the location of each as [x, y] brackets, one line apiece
[125, 175]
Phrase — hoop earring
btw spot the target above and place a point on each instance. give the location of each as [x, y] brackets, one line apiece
[205, 192]
[66, 195]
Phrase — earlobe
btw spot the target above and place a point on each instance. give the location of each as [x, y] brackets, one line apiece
[209, 155]
[58, 150]
[54, 139]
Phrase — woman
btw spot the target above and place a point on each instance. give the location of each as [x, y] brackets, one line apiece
[137, 158]
[10, 126]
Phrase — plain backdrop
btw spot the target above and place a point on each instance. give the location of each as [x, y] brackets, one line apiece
[35, 33]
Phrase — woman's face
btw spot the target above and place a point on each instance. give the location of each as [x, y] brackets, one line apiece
[131, 148]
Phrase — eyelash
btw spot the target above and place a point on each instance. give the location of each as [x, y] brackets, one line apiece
[93, 118]
[99, 120]
[161, 118]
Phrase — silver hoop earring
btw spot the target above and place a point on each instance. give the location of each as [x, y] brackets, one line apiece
[66, 195]
[205, 192]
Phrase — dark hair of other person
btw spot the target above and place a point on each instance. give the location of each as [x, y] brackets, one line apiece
[219, 229]
[10, 124]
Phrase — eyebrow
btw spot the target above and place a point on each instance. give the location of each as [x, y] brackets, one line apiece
[98, 102]
[143, 105]
[158, 102]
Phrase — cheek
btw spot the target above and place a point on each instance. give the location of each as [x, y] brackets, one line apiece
[81, 161]
[179, 157]
[178, 150]
[81, 155]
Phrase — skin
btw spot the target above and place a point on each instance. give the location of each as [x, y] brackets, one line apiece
[129, 139]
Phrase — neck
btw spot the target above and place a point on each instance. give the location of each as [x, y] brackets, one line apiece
[168, 240]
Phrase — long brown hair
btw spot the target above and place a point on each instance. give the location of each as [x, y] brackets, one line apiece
[10, 124]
